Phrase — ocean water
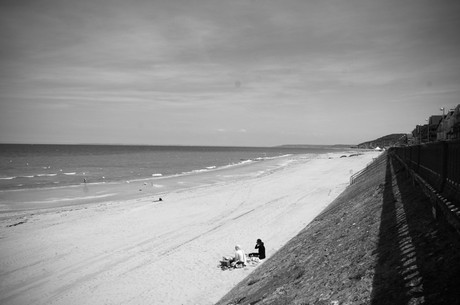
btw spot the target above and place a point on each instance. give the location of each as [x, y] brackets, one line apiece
[49, 176]
[44, 166]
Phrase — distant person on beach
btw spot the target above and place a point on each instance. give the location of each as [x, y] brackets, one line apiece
[261, 253]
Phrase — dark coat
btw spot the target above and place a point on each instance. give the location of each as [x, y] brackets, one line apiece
[261, 248]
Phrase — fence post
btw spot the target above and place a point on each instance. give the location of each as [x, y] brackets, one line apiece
[445, 156]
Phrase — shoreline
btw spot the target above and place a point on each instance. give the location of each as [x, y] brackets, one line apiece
[87, 193]
[36, 167]
[139, 251]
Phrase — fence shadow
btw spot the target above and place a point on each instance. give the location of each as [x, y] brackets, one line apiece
[417, 256]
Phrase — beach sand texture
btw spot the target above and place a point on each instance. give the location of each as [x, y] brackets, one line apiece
[144, 252]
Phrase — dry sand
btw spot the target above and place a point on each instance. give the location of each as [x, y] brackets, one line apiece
[143, 252]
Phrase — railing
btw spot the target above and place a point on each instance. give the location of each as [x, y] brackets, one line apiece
[375, 162]
[437, 163]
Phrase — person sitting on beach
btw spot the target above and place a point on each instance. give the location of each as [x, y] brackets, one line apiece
[259, 245]
[239, 260]
[240, 256]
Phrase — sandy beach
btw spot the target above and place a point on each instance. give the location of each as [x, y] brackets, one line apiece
[141, 251]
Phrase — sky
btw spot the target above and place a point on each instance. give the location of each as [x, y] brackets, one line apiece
[215, 72]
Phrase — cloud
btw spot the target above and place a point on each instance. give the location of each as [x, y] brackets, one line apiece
[274, 67]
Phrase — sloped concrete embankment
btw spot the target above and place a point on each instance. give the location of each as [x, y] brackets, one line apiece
[377, 243]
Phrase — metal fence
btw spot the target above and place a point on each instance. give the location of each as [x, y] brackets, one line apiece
[437, 163]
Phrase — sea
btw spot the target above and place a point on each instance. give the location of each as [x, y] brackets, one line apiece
[44, 168]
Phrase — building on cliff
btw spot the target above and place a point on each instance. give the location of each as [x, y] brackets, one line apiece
[449, 127]
[443, 127]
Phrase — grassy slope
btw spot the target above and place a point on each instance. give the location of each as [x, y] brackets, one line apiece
[377, 243]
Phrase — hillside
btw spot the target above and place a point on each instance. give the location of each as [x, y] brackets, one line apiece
[385, 141]
[377, 243]
[334, 146]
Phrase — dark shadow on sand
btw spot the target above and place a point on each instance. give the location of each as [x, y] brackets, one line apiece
[418, 257]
